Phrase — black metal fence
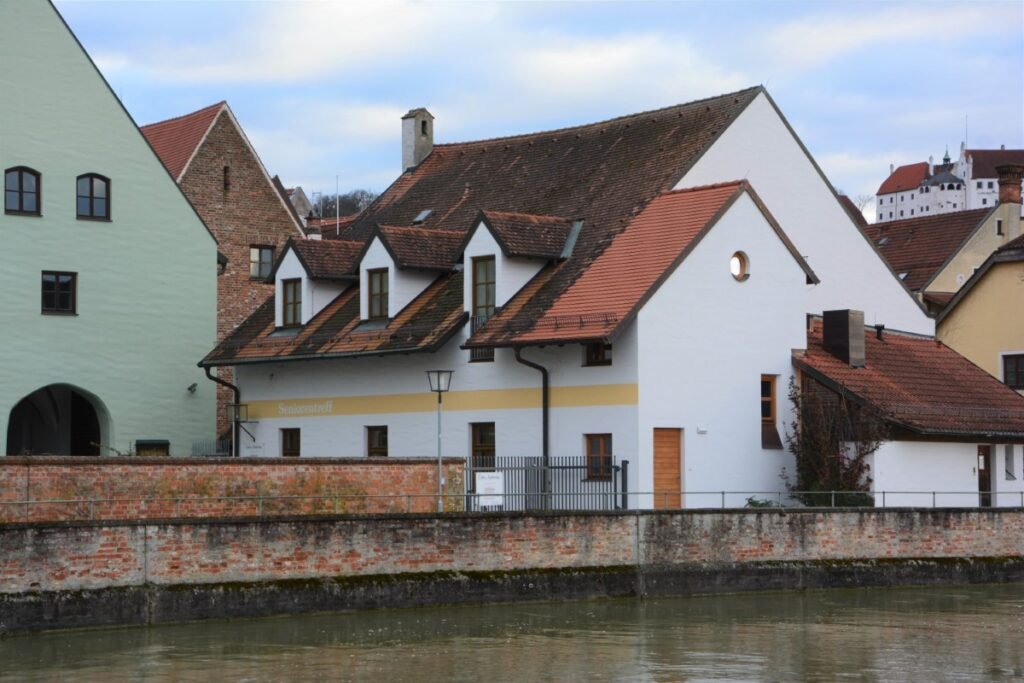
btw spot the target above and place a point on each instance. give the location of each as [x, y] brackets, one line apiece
[564, 483]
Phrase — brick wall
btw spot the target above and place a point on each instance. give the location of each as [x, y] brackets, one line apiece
[141, 488]
[249, 212]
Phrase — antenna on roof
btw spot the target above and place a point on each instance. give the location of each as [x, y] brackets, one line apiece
[965, 129]
[337, 208]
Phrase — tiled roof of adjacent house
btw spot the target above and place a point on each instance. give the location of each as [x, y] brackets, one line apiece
[984, 161]
[326, 259]
[527, 235]
[920, 247]
[905, 178]
[624, 276]
[337, 332]
[175, 140]
[1011, 252]
[919, 384]
[421, 247]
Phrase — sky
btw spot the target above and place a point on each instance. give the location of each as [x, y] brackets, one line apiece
[320, 87]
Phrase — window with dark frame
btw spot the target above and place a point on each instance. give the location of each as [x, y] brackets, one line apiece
[59, 292]
[768, 399]
[261, 261]
[378, 294]
[599, 455]
[482, 445]
[93, 197]
[597, 353]
[1013, 371]
[291, 443]
[292, 305]
[377, 442]
[22, 191]
[484, 300]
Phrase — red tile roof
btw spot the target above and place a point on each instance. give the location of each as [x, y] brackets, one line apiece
[175, 140]
[325, 259]
[920, 247]
[984, 161]
[919, 384]
[625, 275]
[905, 178]
[421, 248]
[523, 234]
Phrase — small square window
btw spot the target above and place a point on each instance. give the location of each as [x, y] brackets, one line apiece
[1013, 371]
[984, 201]
[59, 292]
[261, 261]
[377, 442]
[980, 184]
[597, 354]
[990, 185]
[291, 443]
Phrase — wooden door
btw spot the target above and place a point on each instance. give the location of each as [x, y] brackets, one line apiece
[985, 476]
[668, 469]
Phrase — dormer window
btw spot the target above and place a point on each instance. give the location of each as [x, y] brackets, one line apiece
[22, 187]
[292, 302]
[93, 200]
[483, 288]
[597, 354]
[378, 293]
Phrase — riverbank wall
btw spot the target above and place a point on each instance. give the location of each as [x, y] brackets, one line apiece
[79, 574]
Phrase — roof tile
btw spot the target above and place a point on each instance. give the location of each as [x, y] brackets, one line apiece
[175, 140]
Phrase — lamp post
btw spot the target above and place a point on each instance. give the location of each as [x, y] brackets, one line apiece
[440, 382]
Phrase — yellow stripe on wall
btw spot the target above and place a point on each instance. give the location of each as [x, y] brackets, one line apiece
[485, 399]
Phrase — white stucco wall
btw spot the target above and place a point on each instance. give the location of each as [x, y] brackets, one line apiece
[910, 471]
[759, 147]
[511, 274]
[403, 285]
[705, 341]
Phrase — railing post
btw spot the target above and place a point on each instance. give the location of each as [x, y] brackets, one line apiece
[883, 498]
[723, 500]
[259, 505]
[933, 499]
[625, 485]
[833, 498]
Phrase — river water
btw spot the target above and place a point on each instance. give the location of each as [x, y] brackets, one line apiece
[971, 633]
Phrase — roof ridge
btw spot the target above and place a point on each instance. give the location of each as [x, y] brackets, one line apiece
[709, 186]
[222, 103]
[492, 212]
[605, 122]
[868, 327]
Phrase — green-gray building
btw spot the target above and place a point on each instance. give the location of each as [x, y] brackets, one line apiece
[108, 283]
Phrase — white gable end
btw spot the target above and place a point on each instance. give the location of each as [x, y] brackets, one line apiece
[510, 274]
[759, 147]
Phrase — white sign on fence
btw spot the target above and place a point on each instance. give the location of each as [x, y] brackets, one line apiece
[490, 488]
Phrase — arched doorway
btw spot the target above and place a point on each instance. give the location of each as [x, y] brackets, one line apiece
[58, 419]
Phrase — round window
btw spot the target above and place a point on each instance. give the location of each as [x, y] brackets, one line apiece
[739, 266]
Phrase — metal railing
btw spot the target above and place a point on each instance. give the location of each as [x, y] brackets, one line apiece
[267, 506]
[564, 483]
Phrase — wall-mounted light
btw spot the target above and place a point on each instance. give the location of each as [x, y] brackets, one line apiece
[192, 388]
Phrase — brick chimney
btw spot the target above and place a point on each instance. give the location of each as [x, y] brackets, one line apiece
[1010, 176]
[843, 336]
[417, 137]
[313, 233]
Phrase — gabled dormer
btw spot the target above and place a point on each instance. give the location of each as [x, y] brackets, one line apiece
[503, 251]
[398, 264]
[309, 274]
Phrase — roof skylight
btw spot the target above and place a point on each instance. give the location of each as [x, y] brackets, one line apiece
[422, 216]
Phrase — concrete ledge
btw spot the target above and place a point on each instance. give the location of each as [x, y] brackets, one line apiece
[141, 605]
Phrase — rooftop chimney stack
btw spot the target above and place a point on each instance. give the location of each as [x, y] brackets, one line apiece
[313, 232]
[931, 165]
[843, 336]
[1010, 176]
[417, 137]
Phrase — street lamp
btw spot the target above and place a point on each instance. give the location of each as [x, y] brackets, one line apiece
[440, 382]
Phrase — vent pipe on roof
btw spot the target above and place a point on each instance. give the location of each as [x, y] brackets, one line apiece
[843, 336]
[417, 137]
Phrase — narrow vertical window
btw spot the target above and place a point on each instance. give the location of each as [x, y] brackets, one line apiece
[261, 261]
[483, 302]
[378, 294]
[1013, 371]
[770, 438]
[482, 447]
[599, 455]
[227, 178]
[59, 292]
[377, 442]
[292, 304]
[93, 197]
[22, 191]
[291, 443]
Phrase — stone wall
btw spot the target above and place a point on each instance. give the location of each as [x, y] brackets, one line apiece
[161, 488]
[86, 574]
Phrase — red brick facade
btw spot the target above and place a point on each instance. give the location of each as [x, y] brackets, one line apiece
[161, 488]
[242, 210]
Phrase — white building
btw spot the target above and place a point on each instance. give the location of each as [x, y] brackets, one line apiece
[925, 189]
[610, 293]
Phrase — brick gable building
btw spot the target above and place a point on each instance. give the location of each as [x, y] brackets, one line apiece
[210, 157]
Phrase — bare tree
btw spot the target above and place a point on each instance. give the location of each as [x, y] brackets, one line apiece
[347, 203]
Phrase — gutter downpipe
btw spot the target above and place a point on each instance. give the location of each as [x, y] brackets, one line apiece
[545, 409]
[238, 399]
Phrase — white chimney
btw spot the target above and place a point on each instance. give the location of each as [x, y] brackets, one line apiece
[417, 137]
[931, 165]
[892, 167]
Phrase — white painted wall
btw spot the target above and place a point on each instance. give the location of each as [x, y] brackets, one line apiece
[758, 147]
[316, 294]
[511, 274]
[705, 341]
[900, 468]
[403, 285]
